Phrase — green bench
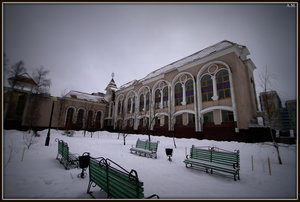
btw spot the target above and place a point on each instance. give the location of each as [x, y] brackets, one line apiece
[214, 159]
[68, 159]
[114, 180]
[146, 148]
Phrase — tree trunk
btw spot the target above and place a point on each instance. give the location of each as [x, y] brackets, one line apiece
[276, 146]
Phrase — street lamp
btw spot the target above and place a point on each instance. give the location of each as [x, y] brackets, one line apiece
[48, 134]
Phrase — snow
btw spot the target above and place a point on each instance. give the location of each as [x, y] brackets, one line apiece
[40, 176]
[84, 96]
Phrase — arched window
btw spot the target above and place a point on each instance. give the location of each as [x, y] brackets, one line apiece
[189, 89]
[79, 121]
[227, 116]
[119, 107]
[223, 84]
[165, 97]
[178, 120]
[206, 88]
[178, 94]
[69, 120]
[191, 119]
[111, 109]
[133, 104]
[208, 117]
[147, 101]
[98, 120]
[141, 102]
[157, 99]
[89, 121]
[129, 105]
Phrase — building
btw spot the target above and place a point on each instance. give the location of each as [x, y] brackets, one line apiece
[212, 88]
[282, 119]
[209, 94]
[271, 107]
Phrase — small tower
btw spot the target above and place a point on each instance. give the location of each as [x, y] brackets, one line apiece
[110, 89]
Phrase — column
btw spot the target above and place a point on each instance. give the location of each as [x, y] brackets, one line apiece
[183, 94]
[215, 96]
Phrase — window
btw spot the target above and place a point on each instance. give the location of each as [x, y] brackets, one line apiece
[165, 97]
[141, 102]
[208, 117]
[79, 121]
[147, 101]
[133, 104]
[223, 84]
[189, 89]
[191, 118]
[89, 122]
[111, 109]
[98, 120]
[129, 105]
[227, 116]
[157, 99]
[69, 118]
[157, 121]
[119, 107]
[178, 120]
[166, 120]
[70, 114]
[206, 88]
[178, 94]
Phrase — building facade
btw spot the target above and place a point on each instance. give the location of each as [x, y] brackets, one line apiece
[211, 88]
[211, 92]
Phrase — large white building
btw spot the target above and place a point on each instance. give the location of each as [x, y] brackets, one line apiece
[212, 88]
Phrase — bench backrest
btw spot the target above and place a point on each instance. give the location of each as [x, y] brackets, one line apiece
[226, 158]
[141, 144]
[152, 146]
[116, 183]
[60, 147]
[65, 151]
[212, 155]
[146, 145]
[200, 154]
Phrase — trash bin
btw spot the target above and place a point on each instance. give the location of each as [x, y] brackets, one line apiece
[169, 152]
[84, 162]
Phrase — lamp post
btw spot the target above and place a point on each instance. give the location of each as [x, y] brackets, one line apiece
[48, 134]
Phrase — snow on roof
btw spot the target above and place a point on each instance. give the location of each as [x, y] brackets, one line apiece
[127, 84]
[84, 96]
[196, 56]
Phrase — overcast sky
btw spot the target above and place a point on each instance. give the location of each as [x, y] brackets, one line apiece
[82, 44]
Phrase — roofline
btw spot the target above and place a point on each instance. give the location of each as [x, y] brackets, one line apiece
[246, 52]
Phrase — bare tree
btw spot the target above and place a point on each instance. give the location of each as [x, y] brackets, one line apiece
[270, 113]
[13, 72]
[43, 83]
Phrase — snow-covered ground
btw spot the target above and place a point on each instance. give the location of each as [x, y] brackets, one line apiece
[36, 173]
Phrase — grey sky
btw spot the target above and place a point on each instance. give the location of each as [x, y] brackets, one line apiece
[82, 44]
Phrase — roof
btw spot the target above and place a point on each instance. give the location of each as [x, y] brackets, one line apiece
[112, 85]
[179, 63]
[23, 78]
[85, 96]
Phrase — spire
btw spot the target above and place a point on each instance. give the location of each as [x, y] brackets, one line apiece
[112, 85]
